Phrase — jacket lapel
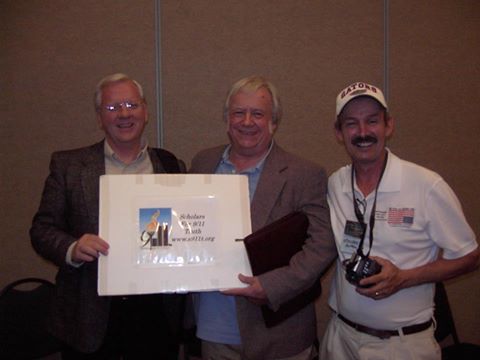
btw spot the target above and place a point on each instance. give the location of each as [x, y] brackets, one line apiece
[270, 185]
[209, 166]
[156, 163]
[94, 167]
[269, 188]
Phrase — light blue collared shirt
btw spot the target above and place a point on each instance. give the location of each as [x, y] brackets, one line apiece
[216, 313]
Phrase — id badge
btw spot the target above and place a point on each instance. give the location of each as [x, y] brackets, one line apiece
[352, 236]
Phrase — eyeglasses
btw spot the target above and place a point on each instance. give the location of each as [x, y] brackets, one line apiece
[117, 106]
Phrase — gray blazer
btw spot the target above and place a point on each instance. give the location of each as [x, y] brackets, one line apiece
[68, 209]
[287, 184]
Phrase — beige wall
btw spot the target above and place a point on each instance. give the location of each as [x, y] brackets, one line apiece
[434, 82]
[53, 52]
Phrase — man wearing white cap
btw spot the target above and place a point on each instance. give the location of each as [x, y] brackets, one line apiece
[399, 228]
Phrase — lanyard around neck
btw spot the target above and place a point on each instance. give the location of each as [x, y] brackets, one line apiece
[359, 214]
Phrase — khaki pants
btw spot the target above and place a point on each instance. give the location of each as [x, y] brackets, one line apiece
[342, 342]
[215, 351]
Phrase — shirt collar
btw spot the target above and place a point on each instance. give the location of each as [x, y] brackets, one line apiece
[110, 153]
[391, 180]
[226, 154]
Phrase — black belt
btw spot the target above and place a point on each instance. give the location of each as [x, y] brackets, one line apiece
[385, 334]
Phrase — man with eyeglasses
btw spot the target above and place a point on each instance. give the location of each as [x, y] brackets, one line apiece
[65, 232]
[399, 228]
[230, 324]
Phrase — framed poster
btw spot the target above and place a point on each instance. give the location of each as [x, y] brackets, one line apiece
[173, 233]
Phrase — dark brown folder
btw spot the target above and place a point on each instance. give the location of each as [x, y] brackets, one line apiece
[272, 247]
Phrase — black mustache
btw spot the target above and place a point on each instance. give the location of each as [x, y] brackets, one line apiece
[359, 139]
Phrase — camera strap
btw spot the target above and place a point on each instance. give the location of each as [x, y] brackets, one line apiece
[359, 214]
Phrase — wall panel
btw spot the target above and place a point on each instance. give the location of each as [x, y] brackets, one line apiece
[309, 49]
[434, 73]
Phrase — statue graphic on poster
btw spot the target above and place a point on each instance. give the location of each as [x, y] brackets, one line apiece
[155, 232]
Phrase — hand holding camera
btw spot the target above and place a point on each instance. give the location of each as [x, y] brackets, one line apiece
[359, 267]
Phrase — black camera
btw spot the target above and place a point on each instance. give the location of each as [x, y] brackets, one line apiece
[360, 267]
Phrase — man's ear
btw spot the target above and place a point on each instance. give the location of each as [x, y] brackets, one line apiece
[99, 121]
[338, 134]
[389, 127]
[146, 111]
[272, 127]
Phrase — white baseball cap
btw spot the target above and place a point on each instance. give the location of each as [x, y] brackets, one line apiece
[359, 89]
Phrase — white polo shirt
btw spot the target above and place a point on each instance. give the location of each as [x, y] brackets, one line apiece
[417, 214]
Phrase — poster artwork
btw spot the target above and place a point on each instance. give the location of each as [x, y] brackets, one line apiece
[155, 226]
